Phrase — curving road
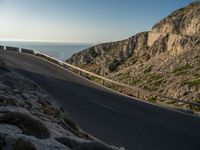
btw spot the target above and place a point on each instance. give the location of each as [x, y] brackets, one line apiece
[115, 119]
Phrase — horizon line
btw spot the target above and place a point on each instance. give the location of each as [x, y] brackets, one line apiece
[46, 41]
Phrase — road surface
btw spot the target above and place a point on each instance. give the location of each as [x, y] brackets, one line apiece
[113, 118]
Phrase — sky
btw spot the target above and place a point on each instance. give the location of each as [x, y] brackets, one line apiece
[91, 21]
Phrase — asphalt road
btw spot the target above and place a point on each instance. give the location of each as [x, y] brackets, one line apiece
[115, 119]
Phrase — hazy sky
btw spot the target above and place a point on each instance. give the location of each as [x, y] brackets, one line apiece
[81, 20]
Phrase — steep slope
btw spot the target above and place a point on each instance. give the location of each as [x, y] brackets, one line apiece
[165, 59]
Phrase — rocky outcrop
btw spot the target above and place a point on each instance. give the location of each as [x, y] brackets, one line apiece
[105, 58]
[31, 120]
[184, 21]
[166, 53]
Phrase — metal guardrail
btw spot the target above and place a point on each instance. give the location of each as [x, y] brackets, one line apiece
[138, 91]
[11, 48]
[1, 53]
[29, 51]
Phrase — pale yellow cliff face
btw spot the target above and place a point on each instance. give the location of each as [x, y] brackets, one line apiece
[194, 27]
[173, 44]
[165, 29]
[152, 37]
[191, 28]
[172, 48]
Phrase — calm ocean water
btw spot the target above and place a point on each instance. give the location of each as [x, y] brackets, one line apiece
[61, 51]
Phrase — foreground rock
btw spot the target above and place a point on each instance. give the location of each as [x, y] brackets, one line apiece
[31, 120]
[165, 60]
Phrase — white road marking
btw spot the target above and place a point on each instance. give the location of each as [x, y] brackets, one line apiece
[105, 106]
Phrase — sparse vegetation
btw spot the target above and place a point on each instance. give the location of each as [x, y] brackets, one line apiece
[159, 82]
[134, 81]
[182, 70]
[149, 88]
[152, 77]
[152, 99]
[148, 70]
[93, 53]
[192, 83]
[197, 75]
[95, 79]
[198, 68]
[114, 86]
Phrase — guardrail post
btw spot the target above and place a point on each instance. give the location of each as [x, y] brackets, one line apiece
[1, 51]
[103, 82]
[79, 72]
[138, 94]
[190, 106]
[2, 55]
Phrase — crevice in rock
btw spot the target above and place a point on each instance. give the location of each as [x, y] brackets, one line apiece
[28, 125]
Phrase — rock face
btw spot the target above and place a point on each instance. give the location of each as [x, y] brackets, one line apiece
[31, 120]
[165, 59]
[107, 57]
[184, 21]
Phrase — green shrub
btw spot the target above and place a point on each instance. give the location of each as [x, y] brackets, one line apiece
[159, 82]
[133, 82]
[150, 88]
[192, 83]
[152, 99]
[197, 69]
[196, 74]
[152, 77]
[148, 70]
[182, 70]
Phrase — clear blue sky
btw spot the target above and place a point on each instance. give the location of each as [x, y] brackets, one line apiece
[81, 20]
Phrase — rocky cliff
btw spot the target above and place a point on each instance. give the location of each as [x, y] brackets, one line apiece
[165, 59]
[31, 120]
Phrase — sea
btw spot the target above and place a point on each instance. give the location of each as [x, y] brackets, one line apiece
[61, 51]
